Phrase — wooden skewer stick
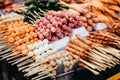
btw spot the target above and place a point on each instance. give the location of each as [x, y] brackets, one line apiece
[100, 58]
[41, 11]
[22, 59]
[100, 66]
[105, 56]
[113, 49]
[32, 22]
[109, 65]
[5, 51]
[45, 73]
[11, 62]
[42, 73]
[92, 54]
[89, 64]
[31, 65]
[4, 48]
[99, 62]
[43, 77]
[22, 68]
[17, 60]
[31, 19]
[39, 76]
[34, 65]
[97, 48]
[116, 52]
[33, 15]
[6, 54]
[93, 71]
[34, 71]
[13, 57]
[26, 67]
[2, 42]
[24, 63]
[110, 52]
[108, 60]
[39, 69]
[37, 14]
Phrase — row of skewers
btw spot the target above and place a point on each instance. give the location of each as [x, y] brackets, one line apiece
[93, 56]
[96, 59]
[18, 40]
[21, 47]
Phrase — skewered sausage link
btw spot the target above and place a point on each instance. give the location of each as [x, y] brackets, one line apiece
[99, 37]
[83, 45]
[75, 47]
[74, 55]
[79, 43]
[75, 52]
[103, 36]
[83, 39]
[106, 33]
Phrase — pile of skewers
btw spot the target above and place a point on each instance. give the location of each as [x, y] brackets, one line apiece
[50, 64]
[21, 46]
[36, 9]
[92, 56]
[19, 34]
[115, 30]
[104, 37]
[56, 25]
[18, 39]
[10, 17]
[107, 11]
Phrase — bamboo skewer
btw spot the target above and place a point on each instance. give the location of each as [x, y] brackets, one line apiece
[26, 68]
[89, 64]
[17, 60]
[100, 62]
[100, 66]
[35, 71]
[42, 75]
[34, 65]
[93, 71]
[105, 57]
[5, 50]
[13, 57]
[110, 52]
[21, 60]
[24, 63]
[11, 62]
[37, 14]
[29, 68]
[41, 78]
[33, 15]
